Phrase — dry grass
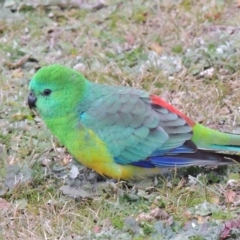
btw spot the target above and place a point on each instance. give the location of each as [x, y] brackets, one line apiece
[114, 45]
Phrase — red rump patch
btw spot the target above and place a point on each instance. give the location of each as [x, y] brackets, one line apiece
[158, 101]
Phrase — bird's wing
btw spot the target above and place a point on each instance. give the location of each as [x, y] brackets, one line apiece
[135, 126]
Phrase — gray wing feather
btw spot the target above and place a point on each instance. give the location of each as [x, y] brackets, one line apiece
[130, 126]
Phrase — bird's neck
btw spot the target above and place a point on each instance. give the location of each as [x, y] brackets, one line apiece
[65, 128]
[82, 143]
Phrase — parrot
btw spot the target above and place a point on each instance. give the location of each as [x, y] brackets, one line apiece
[123, 132]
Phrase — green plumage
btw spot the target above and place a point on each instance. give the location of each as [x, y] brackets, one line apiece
[119, 130]
[206, 138]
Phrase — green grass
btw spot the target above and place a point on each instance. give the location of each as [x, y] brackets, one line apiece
[163, 47]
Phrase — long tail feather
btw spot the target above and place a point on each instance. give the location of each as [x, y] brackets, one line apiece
[206, 138]
[200, 157]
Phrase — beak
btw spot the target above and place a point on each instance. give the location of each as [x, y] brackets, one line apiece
[32, 100]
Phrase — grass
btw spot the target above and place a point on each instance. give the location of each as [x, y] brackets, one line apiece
[186, 52]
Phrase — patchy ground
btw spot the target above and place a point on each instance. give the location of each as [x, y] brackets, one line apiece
[187, 53]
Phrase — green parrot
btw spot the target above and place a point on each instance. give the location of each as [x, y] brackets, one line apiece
[122, 132]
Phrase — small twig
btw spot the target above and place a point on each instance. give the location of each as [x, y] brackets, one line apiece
[19, 62]
[222, 28]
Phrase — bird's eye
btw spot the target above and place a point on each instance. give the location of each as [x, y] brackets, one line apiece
[47, 92]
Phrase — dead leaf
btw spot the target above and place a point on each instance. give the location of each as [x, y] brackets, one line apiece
[97, 229]
[73, 172]
[46, 162]
[225, 111]
[17, 73]
[130, 39]
[228, 226]
[207, 73]
[144, 217]
[214, 199]
[156, 48]
[238, 4]
[4, 205]
[66, 160]
[158, 213]
[229, 196]
[213, 16]
[187, 214]
[200, 219]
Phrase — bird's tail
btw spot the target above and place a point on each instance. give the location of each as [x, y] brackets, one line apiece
[210, 144]
[209, 139]
[200, 157]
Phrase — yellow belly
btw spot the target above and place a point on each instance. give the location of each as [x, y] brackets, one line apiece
[92, 152]
[126, 172]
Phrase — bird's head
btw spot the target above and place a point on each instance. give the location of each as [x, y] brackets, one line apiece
[55, 90]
